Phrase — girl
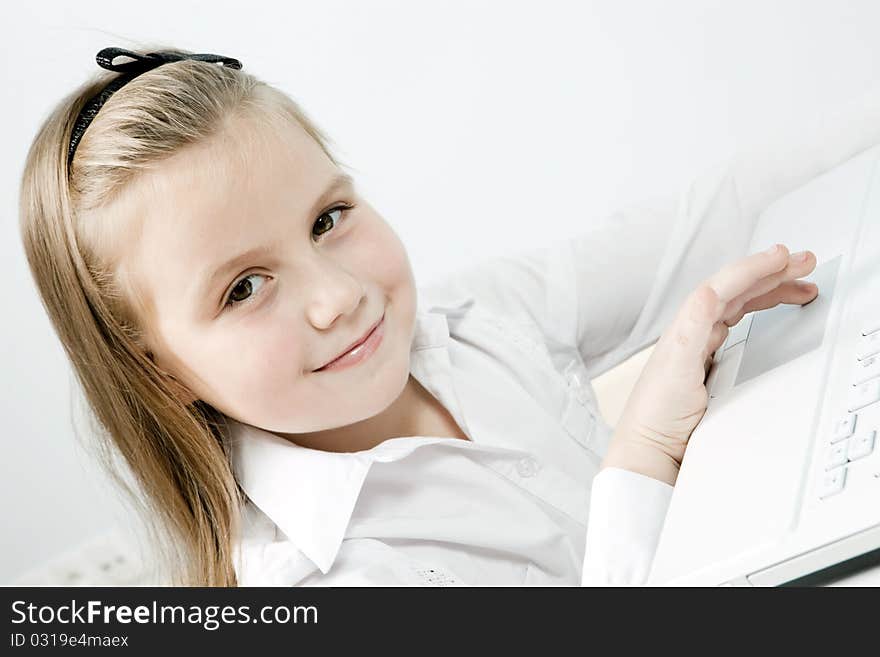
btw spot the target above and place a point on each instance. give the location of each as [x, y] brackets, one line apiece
[249, 336]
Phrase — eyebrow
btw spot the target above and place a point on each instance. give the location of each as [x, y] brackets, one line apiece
[208, 280]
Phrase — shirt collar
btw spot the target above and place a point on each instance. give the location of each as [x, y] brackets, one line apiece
[310, 494]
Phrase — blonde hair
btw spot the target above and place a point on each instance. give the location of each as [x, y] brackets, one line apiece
[175, 451]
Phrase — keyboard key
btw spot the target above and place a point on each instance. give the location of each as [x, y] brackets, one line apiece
[832, 483]
[871, 327]
[864, 394]
[860, 445]
[868, 346]
[866, 369]
[844, 428]
[836, 455]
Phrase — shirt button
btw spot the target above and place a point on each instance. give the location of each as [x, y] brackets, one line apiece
[527, 467]
[574, 383]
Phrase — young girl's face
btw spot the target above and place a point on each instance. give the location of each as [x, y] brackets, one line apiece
[246, 333]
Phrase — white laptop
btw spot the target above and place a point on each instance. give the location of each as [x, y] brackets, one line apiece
[780, 484]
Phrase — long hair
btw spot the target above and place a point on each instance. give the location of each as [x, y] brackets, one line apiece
[183, 479]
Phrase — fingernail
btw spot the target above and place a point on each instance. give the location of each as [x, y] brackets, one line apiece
[800, 256]
[772, 249]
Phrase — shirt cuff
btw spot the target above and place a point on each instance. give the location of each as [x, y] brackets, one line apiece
[627, 511]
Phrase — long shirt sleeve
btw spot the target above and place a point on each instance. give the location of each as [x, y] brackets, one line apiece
[613, 288]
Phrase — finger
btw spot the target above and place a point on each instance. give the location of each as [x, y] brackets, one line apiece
[737, 277]
[696, 320]
[717, 337]
[799, 292]
[799, 265]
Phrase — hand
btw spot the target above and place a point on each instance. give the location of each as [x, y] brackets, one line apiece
[670, 397]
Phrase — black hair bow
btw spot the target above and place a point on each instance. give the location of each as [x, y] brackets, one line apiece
[151, 60]
[140, 64]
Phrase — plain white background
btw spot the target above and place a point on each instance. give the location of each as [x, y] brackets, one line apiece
[476, 128]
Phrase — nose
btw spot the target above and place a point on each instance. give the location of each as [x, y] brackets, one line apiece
[334, 292]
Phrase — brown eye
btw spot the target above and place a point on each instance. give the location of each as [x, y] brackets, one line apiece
[325, 224]
[243, 291]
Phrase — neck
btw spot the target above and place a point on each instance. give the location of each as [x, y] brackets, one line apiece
[399, 419]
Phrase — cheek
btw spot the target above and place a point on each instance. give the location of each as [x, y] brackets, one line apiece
[379, 254]
[265, 365]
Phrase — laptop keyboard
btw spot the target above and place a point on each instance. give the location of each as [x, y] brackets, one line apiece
[853, 436]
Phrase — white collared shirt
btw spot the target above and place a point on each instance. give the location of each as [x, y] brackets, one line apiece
[509, 347]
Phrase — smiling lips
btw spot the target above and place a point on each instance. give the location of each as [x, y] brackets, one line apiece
[360, 350]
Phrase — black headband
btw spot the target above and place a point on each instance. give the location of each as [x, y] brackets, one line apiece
[129, 70]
